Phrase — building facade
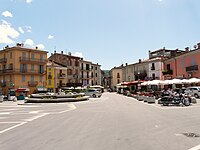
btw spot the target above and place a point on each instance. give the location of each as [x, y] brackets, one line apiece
[22, 69]
[90, 73]
[183, 66]
[56, 76]
[116, 76]
[73, 66]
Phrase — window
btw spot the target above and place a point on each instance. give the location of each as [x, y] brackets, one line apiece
[118, 80]
[69, 71]
[183, 63]
[4, 55]
[96, 74]
[41, 57]
[41, 79]
[118, 76]
[10, 67]
[23, 67]
[23, 55]
[153, 76]
[49, 69]
[10, 78]
[49, 82]
[168, 67]
[193, 61]
[23, 78]
[32, 78]
[32, 56]
[41, 69]
[10, 55]
[32, 67]
[153, 66]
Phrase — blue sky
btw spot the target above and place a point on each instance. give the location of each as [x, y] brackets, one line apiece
[108, 32]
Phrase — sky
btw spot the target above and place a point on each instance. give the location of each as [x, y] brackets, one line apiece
[107, 32]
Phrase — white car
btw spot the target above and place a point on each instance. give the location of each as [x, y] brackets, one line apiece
[193, 91]
[93, 93]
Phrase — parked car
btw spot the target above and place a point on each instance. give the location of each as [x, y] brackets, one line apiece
[193, 91]
[93, 93]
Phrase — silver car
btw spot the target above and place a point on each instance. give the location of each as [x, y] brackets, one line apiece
[193, 91]
[93, 93]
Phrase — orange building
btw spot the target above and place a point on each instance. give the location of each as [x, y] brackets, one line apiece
[22, 69]
[183, 66]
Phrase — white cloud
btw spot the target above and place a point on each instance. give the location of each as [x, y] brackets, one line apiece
[7, 32]
[160, 0]
[29, 1]
[40, 46]
[28, 29]
[7, 14]
[29, 42]
[21, 30]
[78, 54]
[50, 37]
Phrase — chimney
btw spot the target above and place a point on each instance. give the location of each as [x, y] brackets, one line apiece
[54, 52]
[198, 45]
[36, 47]
[140, 60]
[126, 64]
[187, 49]
[69, 53]
[61, 52]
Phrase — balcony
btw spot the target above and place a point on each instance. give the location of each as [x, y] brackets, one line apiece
[32, 61]
[61, 75]
[153, 68]
[192, 68]
[32, 83]
[22, 71]
[85, 69]
[3, 60]
[167, 72]
[49, 76]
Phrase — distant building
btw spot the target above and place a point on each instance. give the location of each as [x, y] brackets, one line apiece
[56, 76]
[116, 76]
[106, 78]
[79, 71]
[22, 69]
[73, 67]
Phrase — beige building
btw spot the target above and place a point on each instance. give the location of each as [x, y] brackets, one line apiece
[23, 69]
[90, 73]
[116, 76]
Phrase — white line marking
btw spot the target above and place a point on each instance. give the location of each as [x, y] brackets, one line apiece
[72, 107]
[10, 122]
[33, 112]
[12, 127]
[4, 113]
[36, 117]
[195, 148]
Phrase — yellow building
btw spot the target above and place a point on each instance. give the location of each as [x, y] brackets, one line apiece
[56, 76]
[116, 76]
[23, 69]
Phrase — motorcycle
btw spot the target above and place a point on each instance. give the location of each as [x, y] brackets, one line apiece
[176, 99]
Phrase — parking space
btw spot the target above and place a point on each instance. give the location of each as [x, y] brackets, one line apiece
[15, 114]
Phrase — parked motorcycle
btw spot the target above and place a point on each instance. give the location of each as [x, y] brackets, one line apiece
[176, 99]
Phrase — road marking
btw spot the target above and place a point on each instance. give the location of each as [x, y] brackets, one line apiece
[71, 107]
[33, 112]
[10, 122]
[36, 117]
[4, 113]
[195, 148]
[12, 127]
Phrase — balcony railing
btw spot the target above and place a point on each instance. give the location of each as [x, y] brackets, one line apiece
[33, 83]
[192, 68]
[140, 72]
[30, 60]
[25, 71]
[167, 72]
[61, 75]
[85, 69]
[49, 76]
[3, 60]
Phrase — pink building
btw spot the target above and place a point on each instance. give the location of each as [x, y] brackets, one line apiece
[183, 66]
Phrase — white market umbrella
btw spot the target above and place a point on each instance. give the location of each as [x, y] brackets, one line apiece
[175, 81]
[155, 82]
[194, 80]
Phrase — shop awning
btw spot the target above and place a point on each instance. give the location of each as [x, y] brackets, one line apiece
[23, 90]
